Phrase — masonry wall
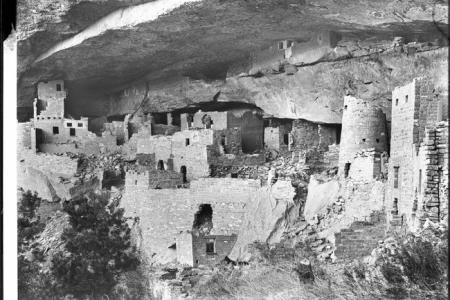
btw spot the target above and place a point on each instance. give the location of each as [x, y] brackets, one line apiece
[363, 127]
[24, 135]
[414, 152]
[305, 134]
[366, 166]
[117, 129]
[153, 179]
[219, 119]
[57, 164]
[166, 213]
[361, 237]
[274, 137]
[223, 244]
[185, 255]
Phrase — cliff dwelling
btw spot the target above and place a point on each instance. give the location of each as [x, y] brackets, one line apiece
[204, 146]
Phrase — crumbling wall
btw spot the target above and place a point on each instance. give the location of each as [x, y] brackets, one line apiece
[414, 162]
[58, 164]
[117, 129]
[165, 213]
[24, 135]
[366, 165]
[331, 157]
[252, 128]
[164, 129]
[361, 237]
[219, 119]
[305, 134]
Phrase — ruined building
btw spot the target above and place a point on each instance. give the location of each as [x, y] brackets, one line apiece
[52, 132]
[418, 165]
[363, 140]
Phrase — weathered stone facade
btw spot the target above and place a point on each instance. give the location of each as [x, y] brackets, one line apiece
[363, 128]
[361, 237]
[419, 155]
[164, 213]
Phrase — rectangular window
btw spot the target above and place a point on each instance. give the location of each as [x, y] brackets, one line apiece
[396, 102]
[396, 169]
[69, 124]
[80, 124]
[420, 181]
[187, 142]
[55, 130]
[280, 45]
[210, 246]
[72, 131]
[58, 87]
[406, 99]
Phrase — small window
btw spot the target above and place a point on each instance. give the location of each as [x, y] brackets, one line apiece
[160, 165]
[280, 45]
[55, 130]
[289, 44]
[187, 142]
[58, 87]
[69, 124]
[210, 246]
[48, 118]
[345, 106]
[234, 175]
[396, 102]
[396, 171]
[72, 131]
[406, 99]
[346, 169]
[364, 140]
[395, 207]
[80, 124]
[420, 181]
[135, 182]
[286, 138]
[378, 140]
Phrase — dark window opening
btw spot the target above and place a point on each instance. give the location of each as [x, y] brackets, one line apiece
[48, 118]
[280, 45]
[183, 171]
[420, 181]
[187, 142]
[210, 246]
[345, 106]
[289, 44]
[364, 140]
[378, 140]
[406, 99]
[80, 124]
[160, 165]
[58, 87]
[395, 207]
[203, 218]
[135, 182]
[207, 121]
[346, 169]
[396, 102]
[173, 246]
[72, 131]
[55, 130]
[69, 124]
[234, 175]
[190, 120]
[396, 170]
[286, 138]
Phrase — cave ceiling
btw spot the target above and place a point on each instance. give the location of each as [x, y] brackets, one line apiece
[184, 50]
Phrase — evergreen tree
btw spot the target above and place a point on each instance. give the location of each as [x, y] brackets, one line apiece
[97, 247]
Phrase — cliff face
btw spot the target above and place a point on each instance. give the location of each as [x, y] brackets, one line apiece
[188, 51]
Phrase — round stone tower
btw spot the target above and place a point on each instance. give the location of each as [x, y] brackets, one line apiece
[363, 127]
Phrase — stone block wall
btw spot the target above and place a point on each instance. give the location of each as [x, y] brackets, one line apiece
[163, 129]
[274, 138]
[185, 255]
[57, 164]
[117, 129]
[305, 134]
[366, 166]
[48, 90]
[223, 244]
[219, 119]
[331, 157]
[361, 237]
[363, 127]
[24, 135]
[415, 115]
[165, 213]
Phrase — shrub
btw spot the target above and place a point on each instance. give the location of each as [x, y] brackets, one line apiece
[98, 248]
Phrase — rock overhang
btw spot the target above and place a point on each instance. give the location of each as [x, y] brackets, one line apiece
[200, 44]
